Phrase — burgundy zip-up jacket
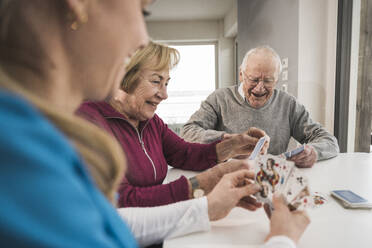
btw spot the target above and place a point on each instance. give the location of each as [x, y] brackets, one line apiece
[149, 151]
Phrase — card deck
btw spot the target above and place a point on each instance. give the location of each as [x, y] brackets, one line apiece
[294, 152]
[257, 148]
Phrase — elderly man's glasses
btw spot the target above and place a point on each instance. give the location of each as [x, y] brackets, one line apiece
[255, 81]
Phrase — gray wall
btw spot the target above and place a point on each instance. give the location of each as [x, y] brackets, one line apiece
[274, 23]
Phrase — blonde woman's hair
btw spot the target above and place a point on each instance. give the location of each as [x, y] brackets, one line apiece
[103, 156]
[154, 56]
[101, 153]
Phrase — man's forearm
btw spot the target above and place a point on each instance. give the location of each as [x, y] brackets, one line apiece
[326, 149]
[194, 133]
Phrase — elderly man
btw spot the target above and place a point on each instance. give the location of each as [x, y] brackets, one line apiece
[256, 103]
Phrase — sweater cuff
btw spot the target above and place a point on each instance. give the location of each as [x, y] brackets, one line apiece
[180, 189]
[211, 154]
[202, 206]
[280, 241]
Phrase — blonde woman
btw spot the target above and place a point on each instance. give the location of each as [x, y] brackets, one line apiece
[151, 146]
[57, 172]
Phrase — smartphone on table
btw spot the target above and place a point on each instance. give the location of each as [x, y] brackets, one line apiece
[349, 199]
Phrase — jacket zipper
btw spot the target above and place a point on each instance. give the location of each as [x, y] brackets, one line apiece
[144, 149]
[140, 140]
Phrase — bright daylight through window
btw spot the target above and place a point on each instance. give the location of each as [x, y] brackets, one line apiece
[191, 82]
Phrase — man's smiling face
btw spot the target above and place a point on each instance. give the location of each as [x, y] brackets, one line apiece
[259, 78]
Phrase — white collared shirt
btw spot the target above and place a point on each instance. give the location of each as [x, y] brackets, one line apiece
[241, 91]
[154, 224]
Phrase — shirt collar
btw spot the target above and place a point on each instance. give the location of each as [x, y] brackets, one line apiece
[241, 91]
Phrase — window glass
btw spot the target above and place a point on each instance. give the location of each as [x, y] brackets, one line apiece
[191, 82]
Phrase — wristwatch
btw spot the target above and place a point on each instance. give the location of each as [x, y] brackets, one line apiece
[195, 187]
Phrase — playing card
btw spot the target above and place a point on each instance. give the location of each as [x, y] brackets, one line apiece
[302, 200]
[267, 176]
[257, 148]
[294, 152]
[296, 183]
[318, 199]
[285, 169]
[276, 174]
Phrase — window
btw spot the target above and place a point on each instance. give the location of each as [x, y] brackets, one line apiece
[191, 82]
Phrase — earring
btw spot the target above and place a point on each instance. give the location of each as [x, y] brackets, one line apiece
[75, 24]
[126, 62]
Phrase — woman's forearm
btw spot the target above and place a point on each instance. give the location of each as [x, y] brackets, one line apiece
[153, 225]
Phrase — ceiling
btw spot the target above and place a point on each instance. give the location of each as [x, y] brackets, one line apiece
[184, 10]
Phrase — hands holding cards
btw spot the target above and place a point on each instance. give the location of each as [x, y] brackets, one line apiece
[286, 223]
[304, 156]
[234, 189]
[237, 189]
[277, 175]
[241, 145]
[285, 192]
[278, 183]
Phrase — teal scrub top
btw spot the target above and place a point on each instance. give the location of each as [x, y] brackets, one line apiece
[47, 197]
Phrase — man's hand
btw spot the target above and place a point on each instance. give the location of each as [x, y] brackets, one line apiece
[306, 158]
[238, 145]
[227, 136]
[258, 133]
[229, 191]
[284, 222]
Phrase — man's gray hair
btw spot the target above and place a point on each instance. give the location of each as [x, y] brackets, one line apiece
[264, 48]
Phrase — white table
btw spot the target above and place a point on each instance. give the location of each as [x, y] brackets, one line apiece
[331, 225]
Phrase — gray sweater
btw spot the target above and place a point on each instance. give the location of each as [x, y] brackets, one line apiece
[282, 117]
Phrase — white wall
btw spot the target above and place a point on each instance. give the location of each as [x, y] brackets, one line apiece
[226, 72]
[230, 22]
[200, 31]
[317, 58]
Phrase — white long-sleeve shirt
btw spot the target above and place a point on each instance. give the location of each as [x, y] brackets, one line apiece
[153, 225]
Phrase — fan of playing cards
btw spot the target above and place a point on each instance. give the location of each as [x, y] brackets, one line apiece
[276, 174]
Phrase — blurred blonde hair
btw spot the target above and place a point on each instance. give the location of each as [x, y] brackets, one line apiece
[103, 156]
[154, 56]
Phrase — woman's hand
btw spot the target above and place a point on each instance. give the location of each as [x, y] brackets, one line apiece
[284, 222]
[229, 192]
[238, 145]
[208, 179]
